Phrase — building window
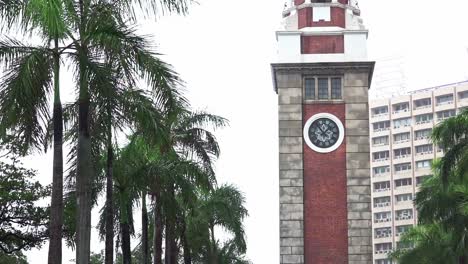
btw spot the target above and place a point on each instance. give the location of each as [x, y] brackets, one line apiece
[383, 248]
[382, 232]
[424, 149]
[382, 217]
[402, 153]
[404, 214]
[399, 230]
[402, 182]
[402, 137]
[323, 88]
[382, 201]
[403, 167]
[336, 88]
[379, 111]
[444, 99]
[309, 89]
[381, 126]
[380, 141]
[403, 107]
[422, 103]
[423, 164]
[423, 119]
[381, 186]
[422, 134]
[463, 95]
[381, 156]
[381, 170]
[445, 114]
[404, 197]
[403, 122]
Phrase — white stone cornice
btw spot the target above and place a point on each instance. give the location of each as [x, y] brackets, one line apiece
[306, 4]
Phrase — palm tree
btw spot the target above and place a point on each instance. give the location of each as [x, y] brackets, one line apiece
[47, 18]
[426, 244]
[442, 234]
[187, 137]
[221, 207]
[451, 135]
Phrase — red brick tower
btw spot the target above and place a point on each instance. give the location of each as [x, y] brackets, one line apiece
[322, 78]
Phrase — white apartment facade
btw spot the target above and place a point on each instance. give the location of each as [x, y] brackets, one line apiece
[401, 155]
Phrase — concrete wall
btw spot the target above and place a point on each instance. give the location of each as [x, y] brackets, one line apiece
[291, 168]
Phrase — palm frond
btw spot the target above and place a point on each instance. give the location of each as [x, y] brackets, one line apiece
[24, 103]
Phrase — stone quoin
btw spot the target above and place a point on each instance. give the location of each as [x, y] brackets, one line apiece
[322, 77]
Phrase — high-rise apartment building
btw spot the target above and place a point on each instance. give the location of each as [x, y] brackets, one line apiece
[401, 156]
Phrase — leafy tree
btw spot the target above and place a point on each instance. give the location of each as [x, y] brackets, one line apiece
[14, 258]
[23, 224]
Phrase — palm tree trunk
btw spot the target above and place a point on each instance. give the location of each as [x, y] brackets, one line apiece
[126, 251]
[144, 229]
[169, 236]
[56, 208]
[185, 245]
[84, 171]
[169, 256]
[214, 253]
[109, 247]
[158, 230]
[462, 260]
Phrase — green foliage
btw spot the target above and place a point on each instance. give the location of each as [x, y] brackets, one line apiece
[23, 224]
[13, 258]
[442, 203]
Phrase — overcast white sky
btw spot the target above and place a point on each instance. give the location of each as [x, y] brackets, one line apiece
[223, 50]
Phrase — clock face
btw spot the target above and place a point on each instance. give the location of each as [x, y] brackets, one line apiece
[323, 132]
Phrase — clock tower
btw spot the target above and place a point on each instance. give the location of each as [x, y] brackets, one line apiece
[322, 77]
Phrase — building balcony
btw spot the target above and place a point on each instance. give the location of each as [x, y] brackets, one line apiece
[382, 239]
[381, 254]
[402, 158]
[380, 131]
[403, 205]
[404, 220]
[424, 125]
[444, 106]
[422, 172]
[383, 220]
[381, 193]
[422, 140]
[381, 190]
[380, 223]
[380, 147]
[380, 176]
[382, 205]
[401, 114]
[401, 129]
[380, 162]
[402, 143]
[379, 117]
[424, 156]
[403, 189]
[462, 103]
[422, 110]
